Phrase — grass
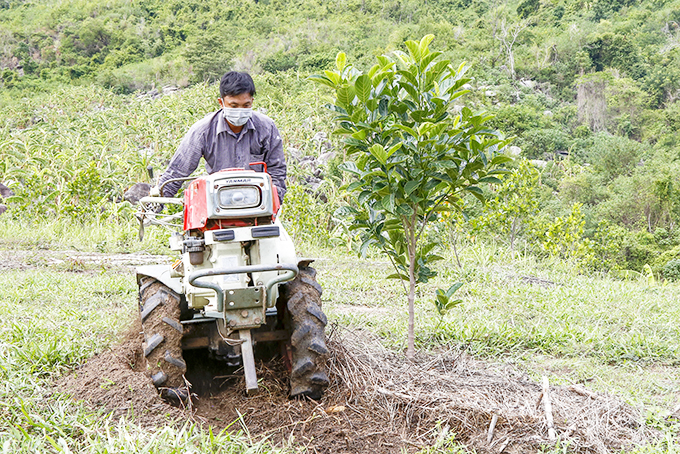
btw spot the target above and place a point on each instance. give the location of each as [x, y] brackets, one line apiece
[615, 336]
[51, 321]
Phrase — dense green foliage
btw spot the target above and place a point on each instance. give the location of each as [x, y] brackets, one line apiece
[410, 158]
[590, 90]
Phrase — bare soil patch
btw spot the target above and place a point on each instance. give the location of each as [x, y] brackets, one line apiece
[377, 402]
[16, 259]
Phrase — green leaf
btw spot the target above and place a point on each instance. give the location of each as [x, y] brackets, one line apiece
[406, 129]
[345, 211]
[345, 96]
[350, 167]
[428, 59]
[475, 191]
[393, 149]
[453, 289]
[491, 180]
[378, 151]
[363, 197]
[354, 186]
[413, 50]
[360, 135]
[410, 89]
[388, 202]
[403, 277]
[384, 61]
[409, 76]
[404, 210]
[320, 79]
[501, 159]
[363, 87]
[410, 186]
[424, 44]
[341, 61]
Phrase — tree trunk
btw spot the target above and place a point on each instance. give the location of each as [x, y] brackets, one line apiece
[411, 232]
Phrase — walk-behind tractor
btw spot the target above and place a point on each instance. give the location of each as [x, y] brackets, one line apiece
[237, 287]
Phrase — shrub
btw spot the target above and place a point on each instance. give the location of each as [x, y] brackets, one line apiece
[538, 143]
[671, 271]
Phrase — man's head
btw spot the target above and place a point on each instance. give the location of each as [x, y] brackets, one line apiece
[236, 92]
[235, 83]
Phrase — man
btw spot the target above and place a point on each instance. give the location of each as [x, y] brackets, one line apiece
[232, 137]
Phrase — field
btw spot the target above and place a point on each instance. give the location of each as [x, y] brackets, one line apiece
[559, 219]
[61, 302]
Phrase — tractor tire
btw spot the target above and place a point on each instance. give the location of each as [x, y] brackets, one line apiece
[159, 309]
[308, 340]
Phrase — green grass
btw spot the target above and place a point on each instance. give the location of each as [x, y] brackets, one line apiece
[51, 321]
[615, 336]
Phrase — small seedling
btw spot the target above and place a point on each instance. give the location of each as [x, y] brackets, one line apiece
[443, 300]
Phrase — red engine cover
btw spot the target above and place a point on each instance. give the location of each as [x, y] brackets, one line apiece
[195, 205]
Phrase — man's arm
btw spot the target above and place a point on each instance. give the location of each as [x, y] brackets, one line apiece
[276, 162]
[185, 160]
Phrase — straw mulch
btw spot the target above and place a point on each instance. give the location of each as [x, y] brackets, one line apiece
[464, 394]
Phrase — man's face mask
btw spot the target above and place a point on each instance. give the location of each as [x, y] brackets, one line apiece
[237, 117]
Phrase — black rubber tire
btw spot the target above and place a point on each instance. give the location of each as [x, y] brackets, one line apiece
[308, 377]
[159, 309]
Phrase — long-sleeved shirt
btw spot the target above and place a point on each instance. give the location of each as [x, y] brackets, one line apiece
[212, 139]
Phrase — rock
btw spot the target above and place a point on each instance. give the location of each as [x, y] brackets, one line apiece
[294, 153]
[168, 89]
[324, 158]
[547, 113]
[3, 208]
[527, 83]
[5, 191]
[466, 87]
[320, 137]
[490, 93]
[136, 192]
[307, 161]
[541, 164]
[514, 150]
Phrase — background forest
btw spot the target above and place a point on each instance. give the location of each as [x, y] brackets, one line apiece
[93, 92]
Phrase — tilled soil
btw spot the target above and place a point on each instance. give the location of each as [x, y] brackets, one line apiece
[116, 382]
[377, 402]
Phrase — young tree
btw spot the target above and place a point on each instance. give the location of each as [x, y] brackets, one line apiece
[413, 153]
[512, 204]
[507, 36]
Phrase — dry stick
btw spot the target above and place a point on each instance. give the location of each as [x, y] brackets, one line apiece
[578, 389]
[675, 410]
[539, 400]
[547, 406]
[492, 427]
[504, 445]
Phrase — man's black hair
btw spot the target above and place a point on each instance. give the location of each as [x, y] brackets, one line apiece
[235, 83]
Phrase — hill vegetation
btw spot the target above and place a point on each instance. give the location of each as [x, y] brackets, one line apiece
[589, 90]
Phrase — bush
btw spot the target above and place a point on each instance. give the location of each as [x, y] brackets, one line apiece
[538, 143]
[210, 57]
[613, 156]
[304, 217]
[671, 271]
[279, 62]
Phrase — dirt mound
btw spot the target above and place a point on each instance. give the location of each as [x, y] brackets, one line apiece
[115, 381]
[377, 401]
